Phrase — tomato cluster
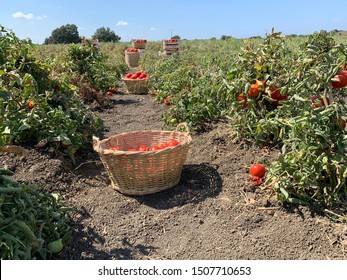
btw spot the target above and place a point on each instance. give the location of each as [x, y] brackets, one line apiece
[259, 87]
[145, 148]
[140, 40]
[171, 40]
[136, 76]
[132, 50]
[111, 91]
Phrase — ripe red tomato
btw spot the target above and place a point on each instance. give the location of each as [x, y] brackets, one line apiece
[112, 90]
[243, 100]
[341, 79]
[257, 181]
[258, 170]
[164, 145]
[275, 93]
[132, 50]
[167, 101]
[143, 76]
[31, 104]
[142, 148]
[109, 93]
[154, 148]
[256, 88]
[129, 75]
[173, 143]
[318, 102]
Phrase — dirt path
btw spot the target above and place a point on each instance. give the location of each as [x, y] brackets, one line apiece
[211, 214]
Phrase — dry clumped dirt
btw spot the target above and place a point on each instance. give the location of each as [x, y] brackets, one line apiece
[213, 213]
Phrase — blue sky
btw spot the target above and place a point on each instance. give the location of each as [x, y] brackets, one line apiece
[159, 19]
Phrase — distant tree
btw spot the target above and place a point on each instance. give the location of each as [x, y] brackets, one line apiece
[106, 35]
[176, 37]
[213, 38]
[27, 41]
[255, 37]
[225, 37]
[66, 34]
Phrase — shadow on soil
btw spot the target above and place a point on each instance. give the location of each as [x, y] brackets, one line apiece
[82, 247]
[123, 101]
[198, 182]
[129, 251]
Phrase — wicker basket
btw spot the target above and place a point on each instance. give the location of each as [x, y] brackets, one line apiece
[141, 173]
[136, 86]
[132, 58]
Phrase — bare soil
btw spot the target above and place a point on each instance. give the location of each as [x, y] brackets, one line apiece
[213, 213]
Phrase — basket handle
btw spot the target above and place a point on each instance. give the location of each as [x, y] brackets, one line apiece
[183, 124]
[96, 142]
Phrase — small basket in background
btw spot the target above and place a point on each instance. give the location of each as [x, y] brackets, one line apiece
[132, 57]
[141, 173]
[136, 86]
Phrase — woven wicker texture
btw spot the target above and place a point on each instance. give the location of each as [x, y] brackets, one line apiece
[141, 173]
[136, 86]
[132, 58]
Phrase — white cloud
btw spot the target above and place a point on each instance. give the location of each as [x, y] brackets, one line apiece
[153, 29]
[122, 23]
[22, 15]
[27, 16]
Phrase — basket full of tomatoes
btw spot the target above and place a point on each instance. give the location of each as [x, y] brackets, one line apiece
[136, 82]
[144, 162]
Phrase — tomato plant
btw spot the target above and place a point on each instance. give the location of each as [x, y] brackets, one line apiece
[33, 108]
[38, 227]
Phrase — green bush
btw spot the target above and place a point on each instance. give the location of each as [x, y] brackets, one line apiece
[38, 105]
[32, 225]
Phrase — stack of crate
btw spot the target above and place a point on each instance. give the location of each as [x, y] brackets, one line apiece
[171, 46]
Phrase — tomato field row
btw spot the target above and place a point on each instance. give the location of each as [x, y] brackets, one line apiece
[287, 93]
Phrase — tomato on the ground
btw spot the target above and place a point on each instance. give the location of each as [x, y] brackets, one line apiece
[258, 170]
